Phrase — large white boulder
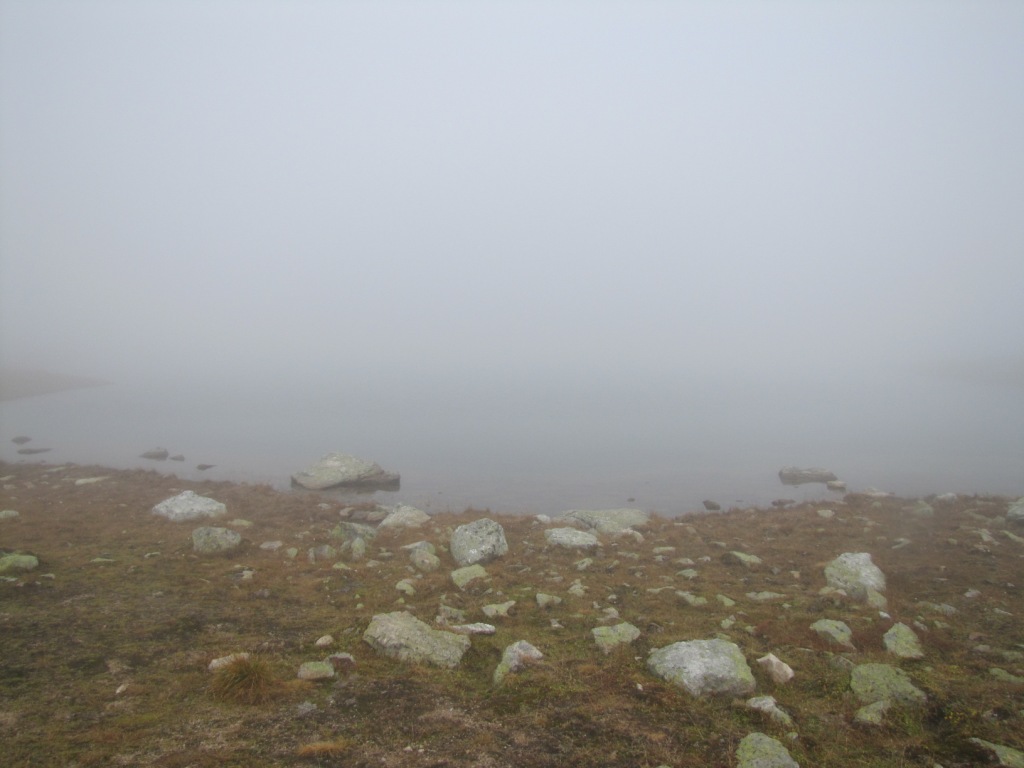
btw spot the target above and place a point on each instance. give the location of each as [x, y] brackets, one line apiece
[335, 470]
[704, 667]
[478, 542]
[188, 505]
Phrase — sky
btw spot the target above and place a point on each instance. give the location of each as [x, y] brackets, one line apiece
[515, 191]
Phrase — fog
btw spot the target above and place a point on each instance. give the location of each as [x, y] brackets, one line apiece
[799, 210]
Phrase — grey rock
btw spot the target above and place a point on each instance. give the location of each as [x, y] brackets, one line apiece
[855, 574]
[424, 561]
[607, 520]
[188, 505]
[404, 516]
[478, 542]
[515, 658]
[704, 667]
[402, 636]
[547, 601]
[711, 506]
[779, 671]
[873, 714]
[342, 470]
[798, 476]
[157, 454]
[348, 531]
[758, 750]
[496, 610]
[770, 707]
[570, 538]
[742, 558]
[881, 682]
[608, 638]
[209, 540]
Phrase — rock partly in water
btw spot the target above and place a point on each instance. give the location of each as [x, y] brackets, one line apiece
[515, 658]
[570, 538]
[798, 476]
[209, 540]
[758, 750]
[478, 542]
[402, 636]
[881, 682]
[607, 520]
[711, 506]
[188, 505]
[342, 470]
[704, 667]
[157, 454]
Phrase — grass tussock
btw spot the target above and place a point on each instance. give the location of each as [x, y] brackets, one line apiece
[244, 681]
[322, 749]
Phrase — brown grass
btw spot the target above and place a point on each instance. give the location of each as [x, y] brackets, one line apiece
[120, 603]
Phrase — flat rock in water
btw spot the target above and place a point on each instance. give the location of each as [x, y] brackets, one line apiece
[32, 451]
[157, 454]
[188, 505]
[342, 470]
[799, 476]
[402, 636]
[704, 667]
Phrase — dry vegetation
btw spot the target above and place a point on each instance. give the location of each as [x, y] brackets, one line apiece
[106, 644]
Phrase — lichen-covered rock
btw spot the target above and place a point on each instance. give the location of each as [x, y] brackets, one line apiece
[1007, 756]
[209, 540]
[901, 641]
[834, 631]
[608, 638]
[478, 542]
[881, 682]
[570, 538]
[515, 658]
[704, 667]
[18, 562]
[188, 505]
[855, 574]
[742, 558]
[770, 707]
[1015, 512]
[758, 750]
[402, 636]
[462, 576]
[608, 520]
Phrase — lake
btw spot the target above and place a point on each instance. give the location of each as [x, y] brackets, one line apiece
[544, 447]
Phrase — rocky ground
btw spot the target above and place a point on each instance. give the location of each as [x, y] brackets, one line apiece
[110, 617]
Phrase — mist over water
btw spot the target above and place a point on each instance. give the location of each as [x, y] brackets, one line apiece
[530, 255]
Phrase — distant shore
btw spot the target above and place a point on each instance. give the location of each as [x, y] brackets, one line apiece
[22, 382]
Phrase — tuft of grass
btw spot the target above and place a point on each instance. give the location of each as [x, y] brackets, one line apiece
[244, 681]
[319, 749]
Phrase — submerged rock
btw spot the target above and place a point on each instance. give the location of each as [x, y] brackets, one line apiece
[798, 476]
[402, 636]
[704, 667]
[342, 470]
